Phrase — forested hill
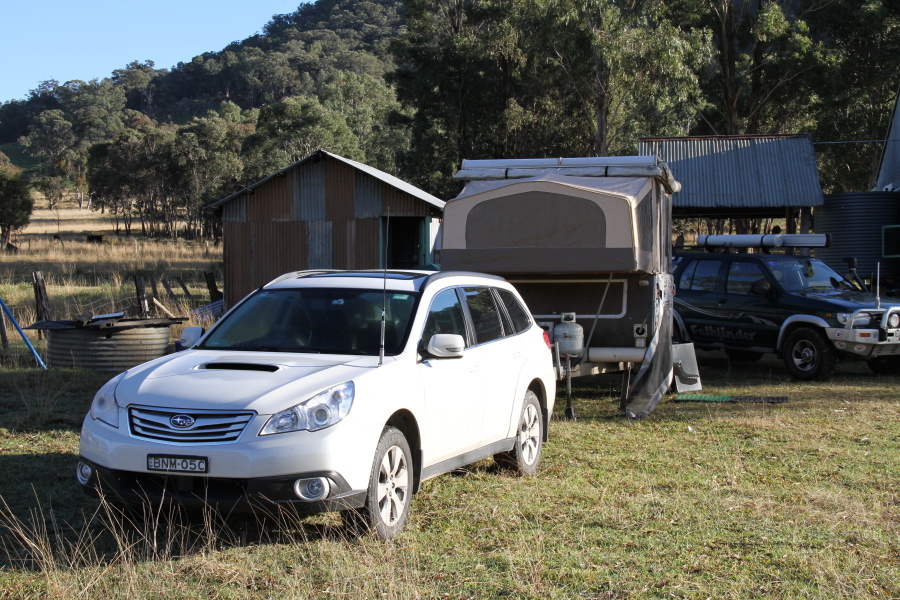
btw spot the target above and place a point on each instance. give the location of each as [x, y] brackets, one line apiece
[294, 53]
[413, 86]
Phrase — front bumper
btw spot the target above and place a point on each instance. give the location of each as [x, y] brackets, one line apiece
[196, 492]
[865, 343]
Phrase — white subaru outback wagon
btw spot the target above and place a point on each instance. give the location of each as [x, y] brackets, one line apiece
[329, 390]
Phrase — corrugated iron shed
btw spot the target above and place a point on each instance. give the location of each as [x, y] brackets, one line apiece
[748, 174]
[315, 157]
[323, 212]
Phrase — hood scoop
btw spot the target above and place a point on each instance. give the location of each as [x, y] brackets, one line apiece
[236, 366]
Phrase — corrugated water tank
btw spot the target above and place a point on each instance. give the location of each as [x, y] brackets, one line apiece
[855, 220]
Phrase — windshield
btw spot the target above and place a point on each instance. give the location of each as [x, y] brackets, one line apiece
[803, 274]
[319, 320]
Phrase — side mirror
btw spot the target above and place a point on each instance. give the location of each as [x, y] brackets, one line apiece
[189, 337]
[446, 345]
[761, 288]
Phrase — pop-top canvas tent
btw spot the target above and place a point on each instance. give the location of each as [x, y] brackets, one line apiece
[583, 236]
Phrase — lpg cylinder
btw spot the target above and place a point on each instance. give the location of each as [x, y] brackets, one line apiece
[569, 335]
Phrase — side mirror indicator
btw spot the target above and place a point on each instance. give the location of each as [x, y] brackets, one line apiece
[446, 345]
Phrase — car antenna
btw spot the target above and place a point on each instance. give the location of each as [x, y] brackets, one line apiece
[387, 230]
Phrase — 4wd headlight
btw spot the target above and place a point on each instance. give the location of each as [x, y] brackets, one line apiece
[858, 321]
[894, 321]
[322, 410]
[104, 407]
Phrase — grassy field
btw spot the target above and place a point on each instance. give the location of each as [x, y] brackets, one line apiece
[83, 276]
[700, 500]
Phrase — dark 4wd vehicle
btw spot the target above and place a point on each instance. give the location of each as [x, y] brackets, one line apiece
[795, 306]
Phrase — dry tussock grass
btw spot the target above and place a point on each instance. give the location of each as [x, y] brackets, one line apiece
[99, 278]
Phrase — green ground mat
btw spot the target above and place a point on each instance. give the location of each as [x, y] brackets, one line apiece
[705, 398]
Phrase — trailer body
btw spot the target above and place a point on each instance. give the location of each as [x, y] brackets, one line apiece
[587, 242]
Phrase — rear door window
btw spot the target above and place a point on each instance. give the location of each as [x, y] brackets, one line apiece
[741, 276]
[485, 315]
[518, 316]
[700, 275]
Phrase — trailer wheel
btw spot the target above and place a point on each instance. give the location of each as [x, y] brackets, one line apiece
[808, 355]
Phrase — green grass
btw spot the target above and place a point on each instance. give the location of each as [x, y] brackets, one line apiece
[700, 500]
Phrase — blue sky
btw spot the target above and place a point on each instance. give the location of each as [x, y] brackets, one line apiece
[88, 39]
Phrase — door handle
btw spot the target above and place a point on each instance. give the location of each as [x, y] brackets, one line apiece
[723, 301]
[475, 368]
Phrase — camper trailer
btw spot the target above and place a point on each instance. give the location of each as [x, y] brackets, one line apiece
[587, 242]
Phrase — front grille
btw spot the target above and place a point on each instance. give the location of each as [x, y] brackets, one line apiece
[209, 427]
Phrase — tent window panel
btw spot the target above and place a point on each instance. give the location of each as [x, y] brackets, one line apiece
[536, 220]
[646, 231]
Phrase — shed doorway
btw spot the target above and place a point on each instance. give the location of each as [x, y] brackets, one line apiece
[407, 246]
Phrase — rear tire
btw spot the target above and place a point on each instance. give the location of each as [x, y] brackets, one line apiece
[886, 366]
[808, 355]
[525, 456]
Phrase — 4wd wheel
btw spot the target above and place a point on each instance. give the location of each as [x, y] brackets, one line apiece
[808, 355]
[390, 488]
[524, 457]
[743, 355]
[884, 365]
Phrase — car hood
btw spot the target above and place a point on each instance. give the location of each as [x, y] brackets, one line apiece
[265, 382]
[851, 300]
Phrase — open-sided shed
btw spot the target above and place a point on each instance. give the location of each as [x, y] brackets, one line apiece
[324, 212]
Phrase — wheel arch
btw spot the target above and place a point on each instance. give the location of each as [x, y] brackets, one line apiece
[406, 422]
[795, 321]
[537, 386]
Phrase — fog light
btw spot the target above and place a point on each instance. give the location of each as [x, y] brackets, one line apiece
[83, 473]
[312, 489]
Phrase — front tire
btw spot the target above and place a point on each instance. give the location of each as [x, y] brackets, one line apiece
[390, 488]
[525, 456]
[808, 355]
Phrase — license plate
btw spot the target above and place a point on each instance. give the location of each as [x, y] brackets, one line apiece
[177, 464]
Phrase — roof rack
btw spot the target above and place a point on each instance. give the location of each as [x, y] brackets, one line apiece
[776, 240]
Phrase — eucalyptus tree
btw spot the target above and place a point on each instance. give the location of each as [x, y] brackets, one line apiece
[541, 78]
[16, 202]
[293, 128]
[207, 162]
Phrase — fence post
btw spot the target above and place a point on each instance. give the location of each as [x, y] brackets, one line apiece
[41, 301]
[4, 339]
[141, 296]
[184, 288]
[214, 293]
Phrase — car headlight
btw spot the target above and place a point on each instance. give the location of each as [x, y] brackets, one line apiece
[894, 321]
[858, 321]
[322, 410]
[104, 407]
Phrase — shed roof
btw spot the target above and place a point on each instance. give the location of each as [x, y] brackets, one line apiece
[381, 175]
[748, 172]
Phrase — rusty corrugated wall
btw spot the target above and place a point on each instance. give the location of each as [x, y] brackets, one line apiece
[321, 213]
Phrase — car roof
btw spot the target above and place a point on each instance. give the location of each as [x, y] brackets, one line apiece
[394, 279]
